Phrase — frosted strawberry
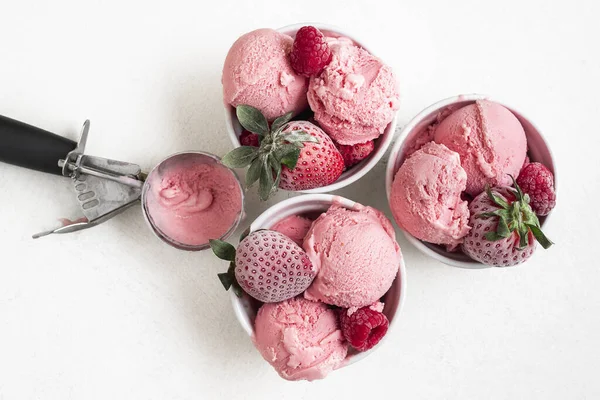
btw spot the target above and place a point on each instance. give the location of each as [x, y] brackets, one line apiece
[267, 265]
[504, 228]
[294, 155]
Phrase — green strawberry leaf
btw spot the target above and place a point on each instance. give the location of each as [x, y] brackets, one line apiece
[288, 155]
[281, 121]
[225, 279]
[223, 250]
[493, 236]
[502, 229]
[496, 199]
[540, 237]
[299, 137]
[265, 184]
[523, 232]
[276, 165]
[253, 173]
[237, 289]
[245, 234]
[252, 119]
[240, 157]
[498, 213]
[530, 218]
[519, 193]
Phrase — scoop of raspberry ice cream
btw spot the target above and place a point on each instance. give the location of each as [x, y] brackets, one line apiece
[301, 339]
[355, 254]
[355, 96]
[258, 73]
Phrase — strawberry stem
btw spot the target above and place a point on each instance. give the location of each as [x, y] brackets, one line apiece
[516, 217]
[276, 149]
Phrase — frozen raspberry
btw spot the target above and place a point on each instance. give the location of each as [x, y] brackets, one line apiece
[356, 153]
[538, 182]
[364, 328]
[248, 138]
[310, 52]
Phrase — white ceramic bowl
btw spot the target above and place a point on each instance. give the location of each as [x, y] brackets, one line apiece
[234, 129]
[538, 150]
[206, 158]
[245, 308]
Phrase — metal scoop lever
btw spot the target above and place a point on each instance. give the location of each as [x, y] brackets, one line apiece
[103, 187]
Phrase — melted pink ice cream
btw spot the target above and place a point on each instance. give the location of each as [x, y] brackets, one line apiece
[490, 140]
[356, 96]
[192, 201]
[301, 339]
[257, 72]
[295, 227]
[355, 254]
[426, 196]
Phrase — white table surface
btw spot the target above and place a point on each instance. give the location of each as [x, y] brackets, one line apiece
[112, 313]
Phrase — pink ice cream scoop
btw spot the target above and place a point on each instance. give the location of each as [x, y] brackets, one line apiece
[295, 227]
[192, 198]
[355, 254]
[356, 96]
[257, 72]
[490, 140]
[301, 339]
[426, 196]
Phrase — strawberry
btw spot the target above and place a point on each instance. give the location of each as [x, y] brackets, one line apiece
[267, 265]
[355, 153]
[504, 228]
[292, 155]
[319, 164]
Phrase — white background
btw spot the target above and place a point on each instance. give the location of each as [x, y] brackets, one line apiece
[112, 313]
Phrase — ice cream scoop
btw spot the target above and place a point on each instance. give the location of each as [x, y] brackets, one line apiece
[190, 198]
[295, 227]
[187, 199]
[426, 196]
[301, 339]
[356, 96]
[355, 254]
[257, 72]
[103, 187]
[490, 140]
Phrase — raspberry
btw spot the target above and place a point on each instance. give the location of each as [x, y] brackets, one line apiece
[310, 53]
[356, 153]
[538, 182]
[364, 328]
[248, 138]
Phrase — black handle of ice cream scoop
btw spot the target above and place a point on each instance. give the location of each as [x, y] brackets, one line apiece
[30, 147]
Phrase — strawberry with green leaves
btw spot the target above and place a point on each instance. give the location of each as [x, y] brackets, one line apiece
[295, 155]
[504, 228]
[267, 265]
